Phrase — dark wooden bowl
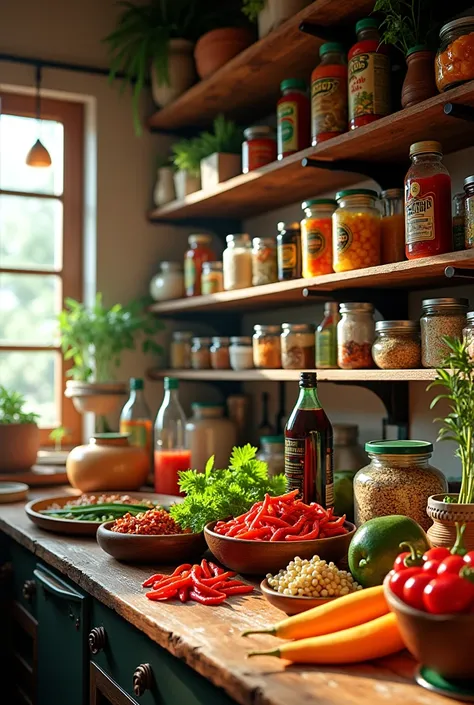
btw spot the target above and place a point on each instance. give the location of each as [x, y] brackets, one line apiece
[137, 548]
[440, 642]
[291, 604]
[262, 557]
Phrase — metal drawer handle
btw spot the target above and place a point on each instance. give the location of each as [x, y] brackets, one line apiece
[142, 679]
[28, 590]
[55, 587]
[97, 640]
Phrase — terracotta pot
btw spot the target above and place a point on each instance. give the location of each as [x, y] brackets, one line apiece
[108, 462]
[445, 515]
[98, 398]
[419, 83]
[216, 48]
[276, 12]
[219, 167]
[185, 184]
[19, 446]
[182, 73]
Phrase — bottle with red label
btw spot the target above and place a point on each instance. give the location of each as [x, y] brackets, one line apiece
[293, 117]
[428, 224]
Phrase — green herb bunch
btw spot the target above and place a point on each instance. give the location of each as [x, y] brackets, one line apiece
[187, 155]
[251, 8]
[407, 23]
[226, 138]
[11, 408]
[217, 494]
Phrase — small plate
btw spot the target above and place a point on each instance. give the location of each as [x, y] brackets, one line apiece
[456, 689]
[291, 604]
[13, 492]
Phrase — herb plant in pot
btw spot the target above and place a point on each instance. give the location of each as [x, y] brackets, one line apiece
[19, 433]
[223, 149]
[187, 155]
[271, 13]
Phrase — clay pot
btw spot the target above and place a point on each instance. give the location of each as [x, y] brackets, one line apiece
[216, 48]
[98, 398]
[275, 12]
[219, 167]
[19, 446]
[108, 462]
[445, 515]
[419, 83]
[182, 73]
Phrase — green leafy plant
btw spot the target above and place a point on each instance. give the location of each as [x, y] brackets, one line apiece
[58, 435]
[406, 23]
[251, 8]
[95, 338]
[457, 377]
[187, 155]
[225, 138]
[217, 494]
[11, 408]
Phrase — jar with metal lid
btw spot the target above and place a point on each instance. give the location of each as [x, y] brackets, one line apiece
[298, 346]
[349, 457]
[326, 337]
[259, 147]
[220, 359]
[454, 62]
[356, 230]
[397, 345]
[212, 278]
[397, 480]
[272, 452]
[181, 350]
[237, 262]
[267, 347]
[201, 353]
[440, 317]
[264, 261]
[241, 353]
[316, 236]
[355, 336]
[392, 226]
[289, 251]
[198, 252]
[468, 334]
[459, 215]
[469, 212]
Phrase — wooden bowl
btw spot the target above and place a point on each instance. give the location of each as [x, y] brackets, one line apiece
[138, 548]
[262, 557]
[291, 604]
[439, 642]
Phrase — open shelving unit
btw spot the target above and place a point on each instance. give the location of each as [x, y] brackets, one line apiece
[422, 375]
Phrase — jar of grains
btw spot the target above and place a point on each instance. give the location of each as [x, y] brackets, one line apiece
[241, 353]
[397, 480]
[267, 347]
[440, 317]
[201, 354]
[355, 230]
[392, 226]
[397, 345]
[237, 262]
[264, 261]
[181, 350]
[212, 279]
[469, 212]
[316, 237]
[355, 336]
[298, 346]
[259, 147]
[220, 359]
[468, 334]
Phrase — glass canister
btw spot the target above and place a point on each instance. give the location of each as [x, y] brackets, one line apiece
[220, 359]
[468, 334]
[212, 278]
[454, 62]
[237, 262]
[397, 480]
[459, 216]
[289, 251]
[272, 452]
[180, 352]
[199, 251]
[267, 347]
[298, 346]
[469, 212]
[209, 433]
[355, 336]
[392, 226]
[440, 317]
[241, 353]
[397, 345]
[259, 147]
[316, 237]
[349, 457]
[264, 261]
[201, 353]
[356, 230]
[326, 337]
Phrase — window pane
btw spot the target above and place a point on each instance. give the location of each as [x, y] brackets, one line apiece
[17, 136]
[28, 307]
[36, 375]
[30, 232]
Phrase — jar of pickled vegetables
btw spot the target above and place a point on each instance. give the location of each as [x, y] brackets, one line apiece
[355, 230]
[264, 261]
[454, 62]
[392, 226]
[267, 347]
[355, 336]
[316, 236]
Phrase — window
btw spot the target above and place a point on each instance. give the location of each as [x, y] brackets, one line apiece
[40, 252]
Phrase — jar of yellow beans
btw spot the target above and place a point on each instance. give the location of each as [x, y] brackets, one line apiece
[356, 230]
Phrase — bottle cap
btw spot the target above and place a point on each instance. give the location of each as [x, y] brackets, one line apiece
[298, 84]
[426, 147]
[136, 383]
[171, 383]
[367, 23]
[331, 46]
[308, 380]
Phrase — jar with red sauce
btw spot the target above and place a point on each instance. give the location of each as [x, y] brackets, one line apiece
[329, 93]
[293, 117]
[198, 252]
[428, 224]
[259, 148]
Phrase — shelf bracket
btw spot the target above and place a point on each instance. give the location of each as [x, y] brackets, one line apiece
[458, 273]
[386, 176]
[460, 111]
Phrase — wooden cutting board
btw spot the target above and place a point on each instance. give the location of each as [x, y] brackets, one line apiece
[38, 476]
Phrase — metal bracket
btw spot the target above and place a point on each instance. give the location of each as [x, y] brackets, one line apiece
[460, 111]
[392, 306]
[386, 175]
[458, 273]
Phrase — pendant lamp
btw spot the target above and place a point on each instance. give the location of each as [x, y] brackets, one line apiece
[38, 156]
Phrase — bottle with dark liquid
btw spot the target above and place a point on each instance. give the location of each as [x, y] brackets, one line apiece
[309, 446]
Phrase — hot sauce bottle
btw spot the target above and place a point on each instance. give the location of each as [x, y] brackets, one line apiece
[293, 117]
[309, 446]
[329, 94]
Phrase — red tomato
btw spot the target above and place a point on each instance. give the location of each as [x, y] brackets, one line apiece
[431, 566]
[399, 561]
[436, 554]
[451, 564]
[448, 594]
[413, 590]
[398, 580]
[469, 558]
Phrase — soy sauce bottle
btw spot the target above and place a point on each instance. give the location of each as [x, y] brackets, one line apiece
[309, 446]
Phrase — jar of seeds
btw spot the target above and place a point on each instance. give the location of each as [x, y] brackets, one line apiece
[397, 345]
[440, 317]
[397, 480]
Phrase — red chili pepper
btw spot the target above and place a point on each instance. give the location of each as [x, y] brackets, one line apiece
[152, 579]
[413, 590]
[218, 578]
[233, 583]
[337, 523]
[287, 497]
[170, 580]
[254, 533]
[275, 521]
[206, 600]
[261, 512]
[329, 533]
[436, 554]
[430, 567]
[206, 572]
[408, 559]
[305, 537]
[451, 564]
[205, 589]
[216, 569]
[237, 589]
[171, 587]
[183, 594]
[236, 529]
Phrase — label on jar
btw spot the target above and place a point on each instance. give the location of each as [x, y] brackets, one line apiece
[189, 274]
[211, 283]
[316, 243]
[288, 257]
[287, 133]
[419, 215]
[328, 106]
[369, 90]
[344, 238]
[294, 464]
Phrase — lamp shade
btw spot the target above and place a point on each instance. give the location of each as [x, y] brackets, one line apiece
[38, 155]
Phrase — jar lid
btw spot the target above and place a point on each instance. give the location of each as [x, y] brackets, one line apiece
[319, 202]
[182, 335]
[399, 447]
[426, 147]
[267, 241]
[219, 340]
[355, 306]
[212, 265]
[238, 237]
[392, 193]
[468, 181]
[331, 46]
[356, 192]
[298, 84]
[460, 23]
[241, 340]
[367, 23]
[259, 131]
[199, 239]
[285, 227]
[298, 327]
[201, 341]
[446, 302]
[272, 439]
[408, 326]
[267, 329]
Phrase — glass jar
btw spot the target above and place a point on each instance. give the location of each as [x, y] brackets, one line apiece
[397, 480]
[212, 278]
[355, 336]
[293, 117]
[209, 433]
[259, 148]
[220, 359]
[289, 251]
[329, 93]
[241, 352]
[264, 261]
[469, 212]
[440, 317]
[356, 230]
[392, 226]
[199, 251]
[169, 283]
[297, 346]
[267, 347]
[316, 237]
[237, 262]
[468, 334]
[349, 457]
[454, 62]
[326, 337]
[201, 354]
[459, 215]
[272, 452]
[181, 350]
[397, 345]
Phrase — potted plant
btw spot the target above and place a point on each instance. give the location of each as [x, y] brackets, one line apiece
[224, 149]
[271, 13]
[19, 433]
[409, 27]
[94, 340]
[187, 155]
[164, 191]
[457, 378]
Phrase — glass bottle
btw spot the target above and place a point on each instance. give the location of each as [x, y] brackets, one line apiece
[326, 337]
[293, 117]
[199, 251]
[171, 451]
[309, 446]
[392, 226]
[329, 93]
[135, 418]
[289, 251]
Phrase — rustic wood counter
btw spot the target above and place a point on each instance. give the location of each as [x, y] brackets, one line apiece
[208, 638]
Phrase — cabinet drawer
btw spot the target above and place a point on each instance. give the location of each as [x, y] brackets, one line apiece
[23, 579]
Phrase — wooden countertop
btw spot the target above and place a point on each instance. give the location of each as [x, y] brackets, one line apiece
[208, 638]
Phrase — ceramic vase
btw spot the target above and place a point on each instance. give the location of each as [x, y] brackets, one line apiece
[445, 515]
[19, 446]
[216, 48]
[164, 191]
[419, 83]
[182, 73]
[219, 167]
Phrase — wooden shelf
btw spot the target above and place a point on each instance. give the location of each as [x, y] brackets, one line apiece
[294, 375]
